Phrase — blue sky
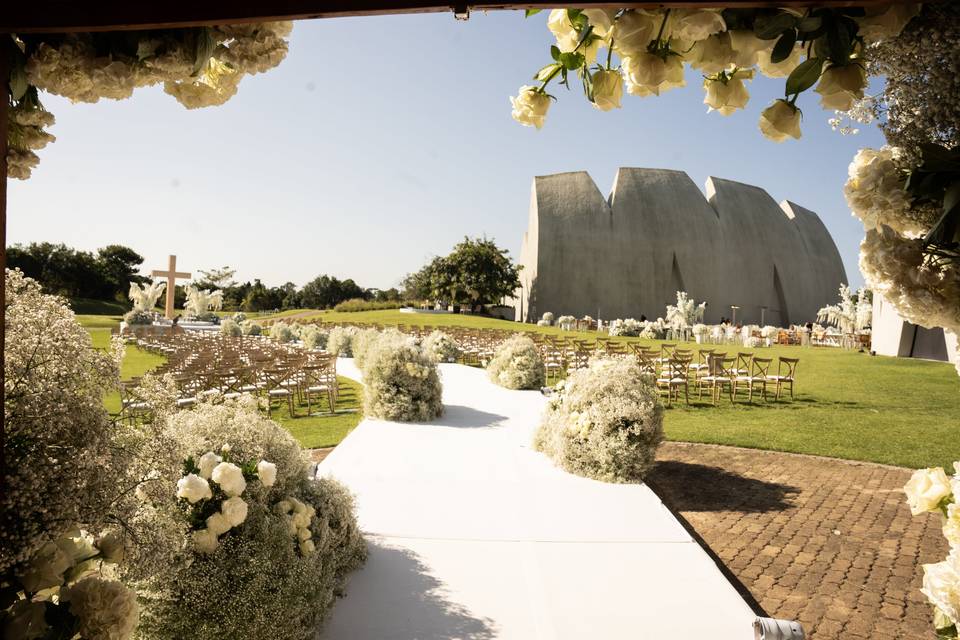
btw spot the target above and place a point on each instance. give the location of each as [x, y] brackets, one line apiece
[380, 142]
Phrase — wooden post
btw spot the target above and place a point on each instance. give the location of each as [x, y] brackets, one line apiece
[4, 114]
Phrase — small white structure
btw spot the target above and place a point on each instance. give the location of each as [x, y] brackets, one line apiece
[894, 336]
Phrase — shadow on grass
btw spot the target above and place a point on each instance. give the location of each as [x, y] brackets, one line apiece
[695, 487]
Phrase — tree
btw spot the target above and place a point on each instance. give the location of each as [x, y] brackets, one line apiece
[476, 272]
[119, 266]
[221, 278]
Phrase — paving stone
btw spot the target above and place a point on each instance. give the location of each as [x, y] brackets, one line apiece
[772, 519]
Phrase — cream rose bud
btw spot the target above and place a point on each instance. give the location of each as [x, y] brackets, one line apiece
[267, 472]
[646, 70]
[234, 510]
[926, 489]
[747, 47]
[230, 478]
[697, 24]
[780, 121]
[607, 89]
[634, 30]
[712, 55]
[193, 488]
[218, 523]
[207, 462]
[840, 87]
[726, 97]
[530, 107]
[205, 541]
[601, 20]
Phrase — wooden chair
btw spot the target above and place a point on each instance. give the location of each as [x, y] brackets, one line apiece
[786, 374]
[673, 377]
[760, 369]
[721, 375]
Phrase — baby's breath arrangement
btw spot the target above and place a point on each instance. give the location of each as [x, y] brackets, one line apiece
[517, 364]
[251, 328]
[229, 327]
[282, 332]
[603, 422]
[441, 347]
[401, 382]
[340, 341]
[314, 337]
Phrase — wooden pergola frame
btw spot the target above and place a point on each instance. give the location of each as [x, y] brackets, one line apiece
[65, 16]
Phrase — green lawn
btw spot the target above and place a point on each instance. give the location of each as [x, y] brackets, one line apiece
[314, 431]
[849, 405]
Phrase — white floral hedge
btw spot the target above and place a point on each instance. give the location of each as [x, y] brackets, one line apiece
[229, 327]
[314, 337]
[517, 364]
[251, 328]
[401, 382]
[282, 332]
[441, 347]
[243, 539]
[340, 341]
[604, 422]
[138, 317]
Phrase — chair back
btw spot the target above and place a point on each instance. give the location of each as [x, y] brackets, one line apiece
[761, 368]
[789, 365]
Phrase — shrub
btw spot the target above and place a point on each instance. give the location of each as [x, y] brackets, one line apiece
[279, 568]
[401, 383]
[628, 327]
[62, 463]
[604, 422]
[362, 340]
[359, 304]
[251, 328]
[547, 318]
[313, 337]
[239, 317]
[567, 323]
[282, 332]
[517, 364]
[440, 347]
[137, 317]
[340, 341]
[230, 328]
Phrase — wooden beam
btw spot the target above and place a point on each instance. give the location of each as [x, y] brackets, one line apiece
[62, 16]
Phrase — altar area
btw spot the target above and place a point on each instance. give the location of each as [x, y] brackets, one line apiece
[472, 534]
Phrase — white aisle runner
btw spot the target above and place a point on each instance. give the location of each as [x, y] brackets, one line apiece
[474, 535]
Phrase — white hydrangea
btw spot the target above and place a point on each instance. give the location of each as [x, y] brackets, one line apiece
[207, 463]
[193, 488]
[230, 478]
[104, 609]
[267, 473]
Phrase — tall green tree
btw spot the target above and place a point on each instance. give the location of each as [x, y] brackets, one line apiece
[475, 273]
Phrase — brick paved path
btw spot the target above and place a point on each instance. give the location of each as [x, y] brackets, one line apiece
[826, 542]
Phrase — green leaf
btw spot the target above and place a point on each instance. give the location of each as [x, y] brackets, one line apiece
[531, 12]
[18, 74]
[838, 41]
[804, 76]
[784, 47]
[810, 24]
[205, 44]
[555, 52]
[770, 26]
[572, 61]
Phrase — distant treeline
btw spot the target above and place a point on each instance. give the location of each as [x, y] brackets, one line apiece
[106, 275]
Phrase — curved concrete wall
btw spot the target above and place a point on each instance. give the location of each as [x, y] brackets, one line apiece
[628, 255]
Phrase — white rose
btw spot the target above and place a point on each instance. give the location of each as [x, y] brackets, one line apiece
[234, 510]
[780, 121]
[747, 47]
[712, 55]
[567, 37]
[283, 507]
[218, 523]
[649, 74]
[111, 545]
[46, 568]
[840, 87]
[78, 546]
[207, 462]
[267, 472]
[951, 526]
[104, 609]
[205, 541]
[696, 24]
[727, 96]
[193, 488]
[780, 69]
[926, 489]
[634, 30]
[530, 107]
[26, 621]
[941, 585]
[601, 20]
[875, 191]
[607, 90]
[230, 478]
[884, 22]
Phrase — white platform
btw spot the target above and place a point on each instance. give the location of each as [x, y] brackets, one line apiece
[472, 534]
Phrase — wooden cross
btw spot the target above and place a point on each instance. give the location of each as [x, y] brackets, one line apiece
[171, 274]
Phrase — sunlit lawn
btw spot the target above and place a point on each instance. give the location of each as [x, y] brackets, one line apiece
[321, 429]
[849, 405]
